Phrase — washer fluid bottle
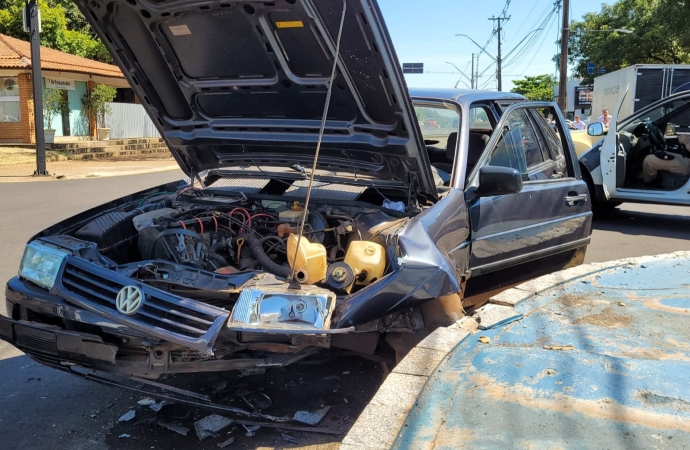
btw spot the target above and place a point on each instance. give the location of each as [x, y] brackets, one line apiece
[311, 259]
[367, 259]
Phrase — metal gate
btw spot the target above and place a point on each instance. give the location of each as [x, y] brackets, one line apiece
[128, 120]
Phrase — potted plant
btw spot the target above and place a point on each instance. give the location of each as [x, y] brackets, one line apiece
[54, 104]
[97, 107]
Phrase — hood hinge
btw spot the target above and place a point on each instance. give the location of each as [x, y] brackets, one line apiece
[412, 189]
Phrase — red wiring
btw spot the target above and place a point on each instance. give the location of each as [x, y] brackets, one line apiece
[201, 224]
[184, 227]
[215, 222]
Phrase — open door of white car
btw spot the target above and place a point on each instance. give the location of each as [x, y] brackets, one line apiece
[609, 150]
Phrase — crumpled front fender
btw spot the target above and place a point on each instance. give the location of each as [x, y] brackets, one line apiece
[432, 257]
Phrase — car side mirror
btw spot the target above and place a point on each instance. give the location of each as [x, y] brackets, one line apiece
[595, 129]
[494, 180]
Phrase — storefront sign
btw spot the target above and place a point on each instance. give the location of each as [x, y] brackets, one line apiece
[59, 83]
[583, 96]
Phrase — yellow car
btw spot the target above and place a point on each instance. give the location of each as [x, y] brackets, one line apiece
[582, 141]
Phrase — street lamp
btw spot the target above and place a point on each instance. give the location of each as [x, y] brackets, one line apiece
[460, 79]
[480, 47]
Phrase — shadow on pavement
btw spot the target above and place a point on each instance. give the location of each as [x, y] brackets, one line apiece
[638, 223]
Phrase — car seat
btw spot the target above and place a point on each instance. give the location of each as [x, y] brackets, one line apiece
[447, 167]
[475, 149]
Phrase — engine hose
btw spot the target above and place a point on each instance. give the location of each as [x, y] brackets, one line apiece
[216, 258]
[256, 247]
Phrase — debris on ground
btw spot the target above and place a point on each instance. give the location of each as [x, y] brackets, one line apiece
[311, 418]
[257, 401]
[251, 429]
[126, 417]
[125, 435]
[288, 438]
[559, 347]
[220, 386]
[156, 407]
[211, 425]
[484, 339]
[493, 316]
[146, 402]
[226, 443]
[621, 304]
[174, 426]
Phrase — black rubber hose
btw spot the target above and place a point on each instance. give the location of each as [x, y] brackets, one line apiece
[215, 257]
[256, 247]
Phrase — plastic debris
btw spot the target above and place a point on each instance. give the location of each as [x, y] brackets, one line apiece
[220, 386]
[484, 339]
[251, 429]
[174, 426]
[226, 443]
[311, 418]
[210, 425]
[559, 347]
[126, 417]
[347, 372]
[621, 304]
[395, 206]
[125, 435]
[288, 438]
[146, 402]
[157, 406]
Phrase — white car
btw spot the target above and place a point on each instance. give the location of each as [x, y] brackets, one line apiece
[613, 166]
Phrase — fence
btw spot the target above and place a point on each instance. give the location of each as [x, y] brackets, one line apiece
[130, 121]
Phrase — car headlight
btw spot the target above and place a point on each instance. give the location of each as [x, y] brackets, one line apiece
[41, 263]
[278, 308]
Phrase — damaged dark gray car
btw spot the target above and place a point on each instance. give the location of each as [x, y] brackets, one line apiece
[271, 254]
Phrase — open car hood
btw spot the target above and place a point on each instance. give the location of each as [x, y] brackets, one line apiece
[233, 83]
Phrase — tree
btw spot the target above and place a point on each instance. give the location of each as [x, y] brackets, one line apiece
[539, 88]
[63, 27]
[97, 103]
[659, 36]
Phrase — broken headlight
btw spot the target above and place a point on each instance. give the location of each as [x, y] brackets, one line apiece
[41, 263]
[279, 308]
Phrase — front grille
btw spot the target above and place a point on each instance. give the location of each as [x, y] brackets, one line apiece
[36, 340]
[164, 315]
[248, 337]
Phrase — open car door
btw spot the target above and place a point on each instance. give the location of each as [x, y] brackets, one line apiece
[609, 150]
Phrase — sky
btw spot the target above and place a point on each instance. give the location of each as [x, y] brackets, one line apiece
[424, 31]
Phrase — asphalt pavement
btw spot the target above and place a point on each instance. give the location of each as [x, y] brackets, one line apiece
[41, 408]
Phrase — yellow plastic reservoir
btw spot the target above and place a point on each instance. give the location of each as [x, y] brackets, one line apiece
[311, 258]
[367, 259]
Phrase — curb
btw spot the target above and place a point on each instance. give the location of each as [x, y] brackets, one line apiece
[381, 421]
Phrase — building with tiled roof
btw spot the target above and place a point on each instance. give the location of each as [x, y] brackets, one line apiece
[72, 74]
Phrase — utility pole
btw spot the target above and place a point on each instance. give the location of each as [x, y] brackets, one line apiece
[498, 58]
[32, 26]
[472, 79]
[563, 61]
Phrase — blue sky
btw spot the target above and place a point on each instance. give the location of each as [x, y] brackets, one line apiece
[424, 31]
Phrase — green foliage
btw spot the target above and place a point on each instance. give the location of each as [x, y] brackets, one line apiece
[54, 104]
[660, 35]
[63, 27]
[97, 103]
[539, 88]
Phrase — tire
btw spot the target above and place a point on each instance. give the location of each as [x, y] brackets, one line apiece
[597, 206]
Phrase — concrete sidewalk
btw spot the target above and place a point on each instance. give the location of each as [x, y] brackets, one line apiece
[596, 356]
[89, 168]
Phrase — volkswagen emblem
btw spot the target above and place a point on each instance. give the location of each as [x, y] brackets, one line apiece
[129, 300]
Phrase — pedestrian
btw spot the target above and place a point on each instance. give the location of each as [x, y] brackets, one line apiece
[605, 118]
[577, 124]
[671, 162]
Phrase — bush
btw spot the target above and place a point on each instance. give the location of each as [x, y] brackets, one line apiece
[97, 103]
[54, 104]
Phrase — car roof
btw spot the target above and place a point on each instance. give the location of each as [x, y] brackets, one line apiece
[463, 96]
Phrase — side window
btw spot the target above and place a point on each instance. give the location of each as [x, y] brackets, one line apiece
[479, 119]
[518, 146]
[552, 147]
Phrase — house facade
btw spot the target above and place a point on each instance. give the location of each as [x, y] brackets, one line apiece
[73, 75]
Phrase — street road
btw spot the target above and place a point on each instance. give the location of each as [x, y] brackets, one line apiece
[41, 408]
